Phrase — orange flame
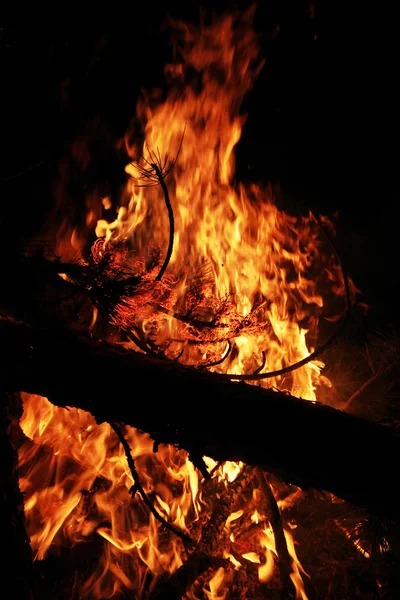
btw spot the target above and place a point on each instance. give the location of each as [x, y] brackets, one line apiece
[231, 242]
[251, 252]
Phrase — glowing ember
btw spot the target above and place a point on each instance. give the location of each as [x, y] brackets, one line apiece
[246, 282]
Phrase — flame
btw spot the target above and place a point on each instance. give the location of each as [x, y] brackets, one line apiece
[237, 261]
[218, 586]
[267, 541]
[253, 254]
[295, 576]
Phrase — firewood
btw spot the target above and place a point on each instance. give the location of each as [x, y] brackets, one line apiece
[305, 443]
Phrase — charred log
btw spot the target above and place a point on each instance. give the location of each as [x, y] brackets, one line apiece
[304, 443]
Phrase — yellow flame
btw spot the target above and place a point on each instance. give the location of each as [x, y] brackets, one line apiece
[267, 540]
[218, 585]
[295, 576]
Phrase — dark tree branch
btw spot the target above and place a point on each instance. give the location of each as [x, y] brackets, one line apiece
[305, 443]
[137, 487]
[170, 220]
[285, 561]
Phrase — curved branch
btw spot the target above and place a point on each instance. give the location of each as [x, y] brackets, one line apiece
[323, 347]
[220, 360]
[138, 487]
[260, 368]
[170, 219]
[284, 558]
[161, 170]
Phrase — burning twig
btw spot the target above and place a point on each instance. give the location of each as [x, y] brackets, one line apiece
[165, 167]
[142, 344]
[260, 368]
[137, 487]
[285, 561]
[197, 460]
[171, 222]
[216, 467]
[156, 175]
[220, 360]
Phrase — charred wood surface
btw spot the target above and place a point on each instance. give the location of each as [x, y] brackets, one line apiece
[305, 443]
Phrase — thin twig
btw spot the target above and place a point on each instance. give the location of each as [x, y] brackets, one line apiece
[220, 360]
[216, 466]
[284, 558]
[156, 175]
[260, 368]
[364, 386]
[138, 487]
[142, 345]
[170, 219]
[197, 461]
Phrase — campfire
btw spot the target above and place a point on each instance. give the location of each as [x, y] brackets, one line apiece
[187, 443]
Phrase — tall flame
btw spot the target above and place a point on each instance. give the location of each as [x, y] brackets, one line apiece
[231, 245]
[231, 238]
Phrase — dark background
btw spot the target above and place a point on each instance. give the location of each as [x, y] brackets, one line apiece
[322, 117]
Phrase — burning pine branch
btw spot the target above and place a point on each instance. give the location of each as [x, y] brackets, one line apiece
[127, 292]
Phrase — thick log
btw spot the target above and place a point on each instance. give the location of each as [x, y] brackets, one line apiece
[305, 443]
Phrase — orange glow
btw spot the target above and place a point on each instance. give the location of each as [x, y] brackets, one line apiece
[218, 586]
[257, 272]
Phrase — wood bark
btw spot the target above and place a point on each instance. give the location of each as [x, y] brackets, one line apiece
[304, 443]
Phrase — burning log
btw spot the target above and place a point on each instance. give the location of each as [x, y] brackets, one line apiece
[305, 443]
